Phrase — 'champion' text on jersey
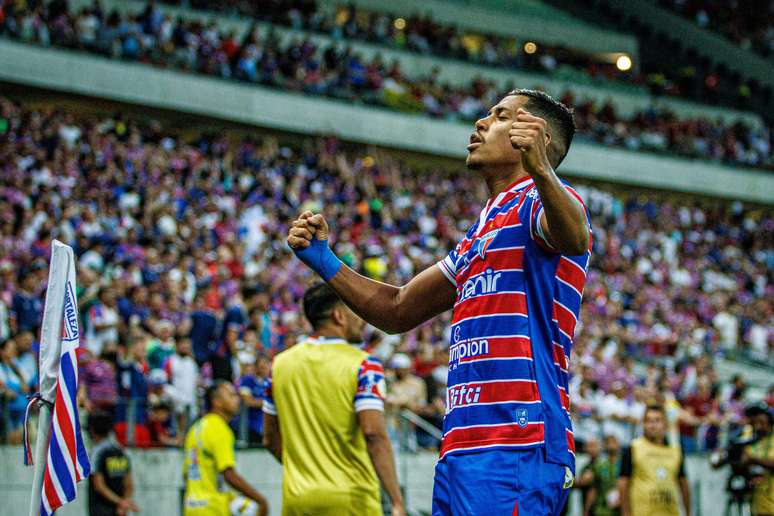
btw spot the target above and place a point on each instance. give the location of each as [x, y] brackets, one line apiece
[517, 306]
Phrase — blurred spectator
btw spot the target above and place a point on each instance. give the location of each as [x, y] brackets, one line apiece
[406, 390]
[133, 388]
[183, 374]
[585, 478]
[15, 388]
[603, 498]
[26, 307]
[26, 357]
[111, 487]
[103, 316]
[251, 387]
[161, 425]
[203, 330]
[97, 378]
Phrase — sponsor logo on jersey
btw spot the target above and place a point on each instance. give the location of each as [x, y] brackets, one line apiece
[485, 283]
[466, 348]
[462, 396]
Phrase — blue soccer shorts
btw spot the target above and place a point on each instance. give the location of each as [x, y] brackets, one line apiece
[500, 483]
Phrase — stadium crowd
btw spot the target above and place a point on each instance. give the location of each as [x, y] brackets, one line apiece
[423, 34]
[746, 22]
[184, 276]
[339, 72]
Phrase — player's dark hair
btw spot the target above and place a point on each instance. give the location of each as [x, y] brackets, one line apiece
[319, 300]
[100, 424]
[653, 407]
[212, 392]
[758, 409]
[559, 118]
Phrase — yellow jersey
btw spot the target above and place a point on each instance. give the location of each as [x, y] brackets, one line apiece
[209, 450]
[653, 470]
[316, 389]
[763, 494]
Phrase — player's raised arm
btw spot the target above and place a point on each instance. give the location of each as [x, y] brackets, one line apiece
[389, 308]
[563, 220]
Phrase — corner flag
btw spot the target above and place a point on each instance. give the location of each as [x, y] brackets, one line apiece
[59, 446]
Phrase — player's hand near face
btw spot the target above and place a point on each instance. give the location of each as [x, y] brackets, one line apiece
[528, 134]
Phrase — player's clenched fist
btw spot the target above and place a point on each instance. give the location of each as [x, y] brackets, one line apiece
[305, 228]
[308, 238]
[528, 134]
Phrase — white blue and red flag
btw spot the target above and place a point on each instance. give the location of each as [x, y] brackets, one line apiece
[67, 462]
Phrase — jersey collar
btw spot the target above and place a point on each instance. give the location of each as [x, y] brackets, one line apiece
[316, 339]
[494, 202]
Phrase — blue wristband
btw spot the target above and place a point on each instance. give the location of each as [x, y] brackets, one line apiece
[319, 257]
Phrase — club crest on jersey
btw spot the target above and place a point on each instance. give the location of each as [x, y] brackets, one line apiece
[522, 418]
[482, 243]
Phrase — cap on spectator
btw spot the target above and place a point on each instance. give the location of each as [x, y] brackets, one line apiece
[400, 361]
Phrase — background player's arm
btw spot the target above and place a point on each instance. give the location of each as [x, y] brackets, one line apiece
[623, 481]
[128, 502]
[102, 488]
[374, 429]
[591, 498]
[272, 438]
[236, 481]
[389, 308]
[563, 220]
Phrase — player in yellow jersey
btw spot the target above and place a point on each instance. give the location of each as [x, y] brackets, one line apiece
[324, 420]
[759, 457]
[653, 473]
[209, 466]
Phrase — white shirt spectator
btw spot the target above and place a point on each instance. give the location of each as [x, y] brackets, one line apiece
[101, 315]
[183, 373]
[727, 325]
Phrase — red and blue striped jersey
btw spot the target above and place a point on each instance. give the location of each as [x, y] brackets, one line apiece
[518, 301]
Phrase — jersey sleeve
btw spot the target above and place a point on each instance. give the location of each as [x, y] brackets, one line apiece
[222, 446]
[536, 211]
[371, 387]
[448, 266]
[268, 397]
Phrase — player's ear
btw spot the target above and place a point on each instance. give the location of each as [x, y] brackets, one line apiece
[337, 315]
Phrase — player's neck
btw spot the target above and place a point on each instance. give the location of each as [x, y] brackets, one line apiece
[329, 331]
[497, 183]
[225, 417]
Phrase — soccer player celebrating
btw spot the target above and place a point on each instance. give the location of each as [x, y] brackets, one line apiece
[515, 283]
[209, 462]
[324, 418]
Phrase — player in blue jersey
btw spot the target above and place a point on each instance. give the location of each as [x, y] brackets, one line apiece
[515, 283]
